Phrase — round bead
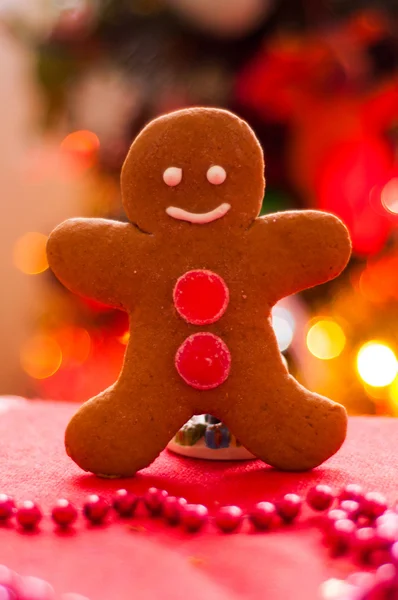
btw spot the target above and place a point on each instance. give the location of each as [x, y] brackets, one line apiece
[64, 513]
[172, 176]
[28, 515]
[262, 516]
[7, 507]
[9, 579]
[95, 509]
[351, 508]
[289, 507]
[336, 514]
[125, 503]
[387, 533]
[340, 535]
[386, 583]
[229, 518]
[33, 588]
[203, 361]
[320, 497]
[216, 175]
[352, 491]
[154, 500]
[201, 297]
[365, 541]
[172, 508]
[194, 517]
[373, 505]
[394, 554]
[6, 593]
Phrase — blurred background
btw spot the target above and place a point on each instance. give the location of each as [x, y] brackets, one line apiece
[318, 82]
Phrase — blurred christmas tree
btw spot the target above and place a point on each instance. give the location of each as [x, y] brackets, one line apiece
[319, 84]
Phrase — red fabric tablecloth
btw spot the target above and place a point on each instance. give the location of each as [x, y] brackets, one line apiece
[154, 561]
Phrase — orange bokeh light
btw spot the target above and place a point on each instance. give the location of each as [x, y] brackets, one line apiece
[30, 253]
[81, 146]
[41, 357]
[124, 338]
[75, 344]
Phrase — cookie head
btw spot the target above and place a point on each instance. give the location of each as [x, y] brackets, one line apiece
[198, 167]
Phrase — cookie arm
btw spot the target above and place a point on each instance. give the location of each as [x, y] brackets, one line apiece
[304, 249]
[89, 257]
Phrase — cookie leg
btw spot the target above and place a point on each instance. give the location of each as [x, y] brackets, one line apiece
[111, 436]
[289, 428]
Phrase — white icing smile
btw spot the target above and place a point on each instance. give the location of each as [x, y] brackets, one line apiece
[198, 218]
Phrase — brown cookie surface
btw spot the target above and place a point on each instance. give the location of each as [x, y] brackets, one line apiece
[192, 188]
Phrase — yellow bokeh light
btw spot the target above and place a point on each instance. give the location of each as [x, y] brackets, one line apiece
[41, 357]
[30, 253]
[124, 339]
[377, 364]
[394, 396]
[326, 339]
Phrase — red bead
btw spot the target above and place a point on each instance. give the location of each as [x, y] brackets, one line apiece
[28, 515]
[262, 516]
[154, 500]
[351, 508]
[289, 507]
[172, 507]
[352, 491]
[386, 584]
[10, 580]
[361, 579]
[95, 509]
[320, 497]
[387, 533]
[203, 361]
[33, 588]
[229, 518]
[373, 505]
[7, 507]
[125, 503]
[340, 535]
[6, 593]
[365, 541]
[201, 297]
[64, 513]
[194, 517]
[394, 554]
[336, 514]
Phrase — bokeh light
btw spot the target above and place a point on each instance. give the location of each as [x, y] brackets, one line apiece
[326, 339]
[30, 253]
[389, 196]
[123, 339]
[283, 325]
[75, 344]
[41, 356]
[393, 394]
[377, 364]
[82, 146]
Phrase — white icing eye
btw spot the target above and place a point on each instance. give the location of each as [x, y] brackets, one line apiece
[172, 176]
[216, 175]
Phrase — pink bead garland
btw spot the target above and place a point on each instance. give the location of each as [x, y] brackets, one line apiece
[361, 524]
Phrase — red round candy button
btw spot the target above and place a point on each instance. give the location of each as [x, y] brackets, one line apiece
[200, 297]
[203, 361]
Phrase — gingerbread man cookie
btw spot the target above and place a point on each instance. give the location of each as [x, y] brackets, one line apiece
[198, 271]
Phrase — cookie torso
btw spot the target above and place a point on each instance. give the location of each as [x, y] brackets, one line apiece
[158, 330]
